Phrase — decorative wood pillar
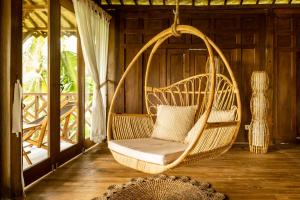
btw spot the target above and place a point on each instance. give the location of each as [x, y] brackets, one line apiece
[270, 69]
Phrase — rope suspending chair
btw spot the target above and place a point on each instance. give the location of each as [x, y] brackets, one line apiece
[204, 91]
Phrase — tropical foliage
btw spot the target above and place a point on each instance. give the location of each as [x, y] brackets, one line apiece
[35, 70]
[35, 64]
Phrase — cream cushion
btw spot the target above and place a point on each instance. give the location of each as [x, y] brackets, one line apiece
[173, 122]
[194, 130]
[222, 115]
[151, 150]
[215, 116]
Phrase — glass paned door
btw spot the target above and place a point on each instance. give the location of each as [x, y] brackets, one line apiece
[35, 83]
[53, 85]
[68, 80]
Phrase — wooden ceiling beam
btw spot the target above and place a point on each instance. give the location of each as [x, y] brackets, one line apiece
[46, 29]
[26, 35]
[45, 13]
[40, 18]
[25, 14]
[67, 4]
[68, 21]
[32, 22]
[34, 8]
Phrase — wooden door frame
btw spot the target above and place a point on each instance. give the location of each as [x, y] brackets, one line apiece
[38, 170]
[67, 154]
[54, 12]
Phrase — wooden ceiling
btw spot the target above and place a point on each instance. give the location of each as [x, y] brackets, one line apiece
[197, 3]
[35, 18]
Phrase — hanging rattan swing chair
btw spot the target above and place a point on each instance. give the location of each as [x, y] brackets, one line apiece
[206, 91]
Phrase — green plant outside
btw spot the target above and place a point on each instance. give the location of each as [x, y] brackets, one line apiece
[35, 70]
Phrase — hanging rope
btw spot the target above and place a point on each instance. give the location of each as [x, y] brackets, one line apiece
[175, 32]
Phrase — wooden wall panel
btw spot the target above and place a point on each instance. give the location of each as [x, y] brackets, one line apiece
[197, 61]
[233, 57]
[185, 56]
[204, 25]
[249, 42]
[285, 94]
[297, 45]
[157, 72]
[269, 67]
[248, 64]
[298, 93]
[285, 99]
[175, 65]
[133, 83]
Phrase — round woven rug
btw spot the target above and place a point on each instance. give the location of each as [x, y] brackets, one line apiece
[162, 187]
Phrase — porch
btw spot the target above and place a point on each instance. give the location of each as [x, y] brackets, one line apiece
[35, 125]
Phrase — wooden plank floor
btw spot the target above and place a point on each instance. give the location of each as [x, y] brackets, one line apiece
[239, 174]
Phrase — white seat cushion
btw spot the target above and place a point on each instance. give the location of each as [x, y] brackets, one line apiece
[149, 149]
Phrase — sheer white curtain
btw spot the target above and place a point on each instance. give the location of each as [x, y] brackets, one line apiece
[93, 26]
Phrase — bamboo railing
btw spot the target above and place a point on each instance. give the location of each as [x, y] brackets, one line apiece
[35, 106]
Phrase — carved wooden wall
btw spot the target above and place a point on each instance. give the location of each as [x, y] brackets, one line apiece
[286, 65]
[251, 40]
